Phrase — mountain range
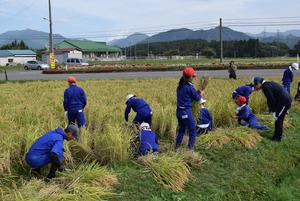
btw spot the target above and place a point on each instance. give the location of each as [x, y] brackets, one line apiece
[38, 39]
[34, 39]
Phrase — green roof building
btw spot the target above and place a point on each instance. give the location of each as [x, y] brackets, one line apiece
[90, 49]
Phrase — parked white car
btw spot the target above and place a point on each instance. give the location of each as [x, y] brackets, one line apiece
[76, 62]
[38, 65]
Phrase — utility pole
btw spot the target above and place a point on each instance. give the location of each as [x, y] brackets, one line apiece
[148, 48]
[221, 42]
[51, 54]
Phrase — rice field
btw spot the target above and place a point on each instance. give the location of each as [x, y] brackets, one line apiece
[30, 109]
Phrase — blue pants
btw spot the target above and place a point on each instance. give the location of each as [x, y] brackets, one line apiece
[287, 86]
[186, 121]
[253, 123]
[76, 116]
[39, 161]
[143, 116]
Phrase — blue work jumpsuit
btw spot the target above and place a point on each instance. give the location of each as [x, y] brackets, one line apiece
[148, 142]
[204, 123]
[38, 155]
[186, 94]
[142, 109]
[244, 113]
[244, 90]
[287, 79]
[74, 103]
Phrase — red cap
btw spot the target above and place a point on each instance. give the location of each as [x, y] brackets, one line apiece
[242, 99]
[189, 72]
[72, 79]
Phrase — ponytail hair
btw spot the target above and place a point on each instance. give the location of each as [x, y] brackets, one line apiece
[183, 80]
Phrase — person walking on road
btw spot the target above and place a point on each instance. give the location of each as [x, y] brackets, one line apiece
[232, 70]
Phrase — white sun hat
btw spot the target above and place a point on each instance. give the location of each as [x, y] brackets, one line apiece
[129, 96]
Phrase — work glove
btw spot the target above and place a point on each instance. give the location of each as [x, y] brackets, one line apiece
[274, 116]
[66, 114]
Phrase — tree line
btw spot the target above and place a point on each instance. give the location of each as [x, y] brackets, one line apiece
[232, 49]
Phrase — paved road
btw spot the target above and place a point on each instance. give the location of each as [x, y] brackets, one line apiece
[37, 75]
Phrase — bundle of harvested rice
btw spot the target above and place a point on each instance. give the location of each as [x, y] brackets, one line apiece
[193, 159]
[169, 170]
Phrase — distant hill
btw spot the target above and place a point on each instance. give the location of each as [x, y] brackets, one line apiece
[129, 41]
[33, 39]
[186, 34]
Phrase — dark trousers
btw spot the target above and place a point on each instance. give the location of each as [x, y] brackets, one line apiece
[232, 75]
[279, 122]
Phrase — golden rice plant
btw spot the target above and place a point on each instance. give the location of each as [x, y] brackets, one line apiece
[246, 136]
[169, 170]
[193, 159]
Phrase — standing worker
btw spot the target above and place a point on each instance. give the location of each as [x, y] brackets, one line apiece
[288, 76]
[278, 100]
[141, 107]
[186, 94]
[244, 90]
[74, 103]
[232, 70]
[49, 149]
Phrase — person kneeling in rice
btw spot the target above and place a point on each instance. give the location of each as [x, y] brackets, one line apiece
[148, 140]
[244, 113]
[204, 119]
[48, 149]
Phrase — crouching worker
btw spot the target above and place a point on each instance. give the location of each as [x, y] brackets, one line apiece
[204, 120]
[148, 140]
[48, 149]
[297, 97]
[141, 107]
[244, 113]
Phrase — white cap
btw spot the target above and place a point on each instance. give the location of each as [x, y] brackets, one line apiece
[202, 101]
[145, 126]
[129, 96]
[295, 66]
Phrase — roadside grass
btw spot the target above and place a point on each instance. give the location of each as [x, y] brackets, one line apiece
[12, 68]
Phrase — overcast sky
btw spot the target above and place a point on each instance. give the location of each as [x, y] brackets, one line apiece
[111, 19]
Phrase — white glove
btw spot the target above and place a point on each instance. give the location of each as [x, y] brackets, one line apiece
[66, 113]
[274, 116]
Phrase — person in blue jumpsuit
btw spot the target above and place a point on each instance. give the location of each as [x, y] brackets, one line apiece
[244, 90]
[48, 149]
[297, 96]
[74, 103]
[141, 107]
[288, 76]
[148, 140]
[204, 123]
[244, 113]
[186, 94]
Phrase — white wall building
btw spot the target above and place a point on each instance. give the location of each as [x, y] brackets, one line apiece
[12, 57]
[61, 55]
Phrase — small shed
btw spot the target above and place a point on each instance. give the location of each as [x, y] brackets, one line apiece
[8, 57]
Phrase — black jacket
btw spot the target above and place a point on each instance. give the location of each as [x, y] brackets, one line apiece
[277, 96]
